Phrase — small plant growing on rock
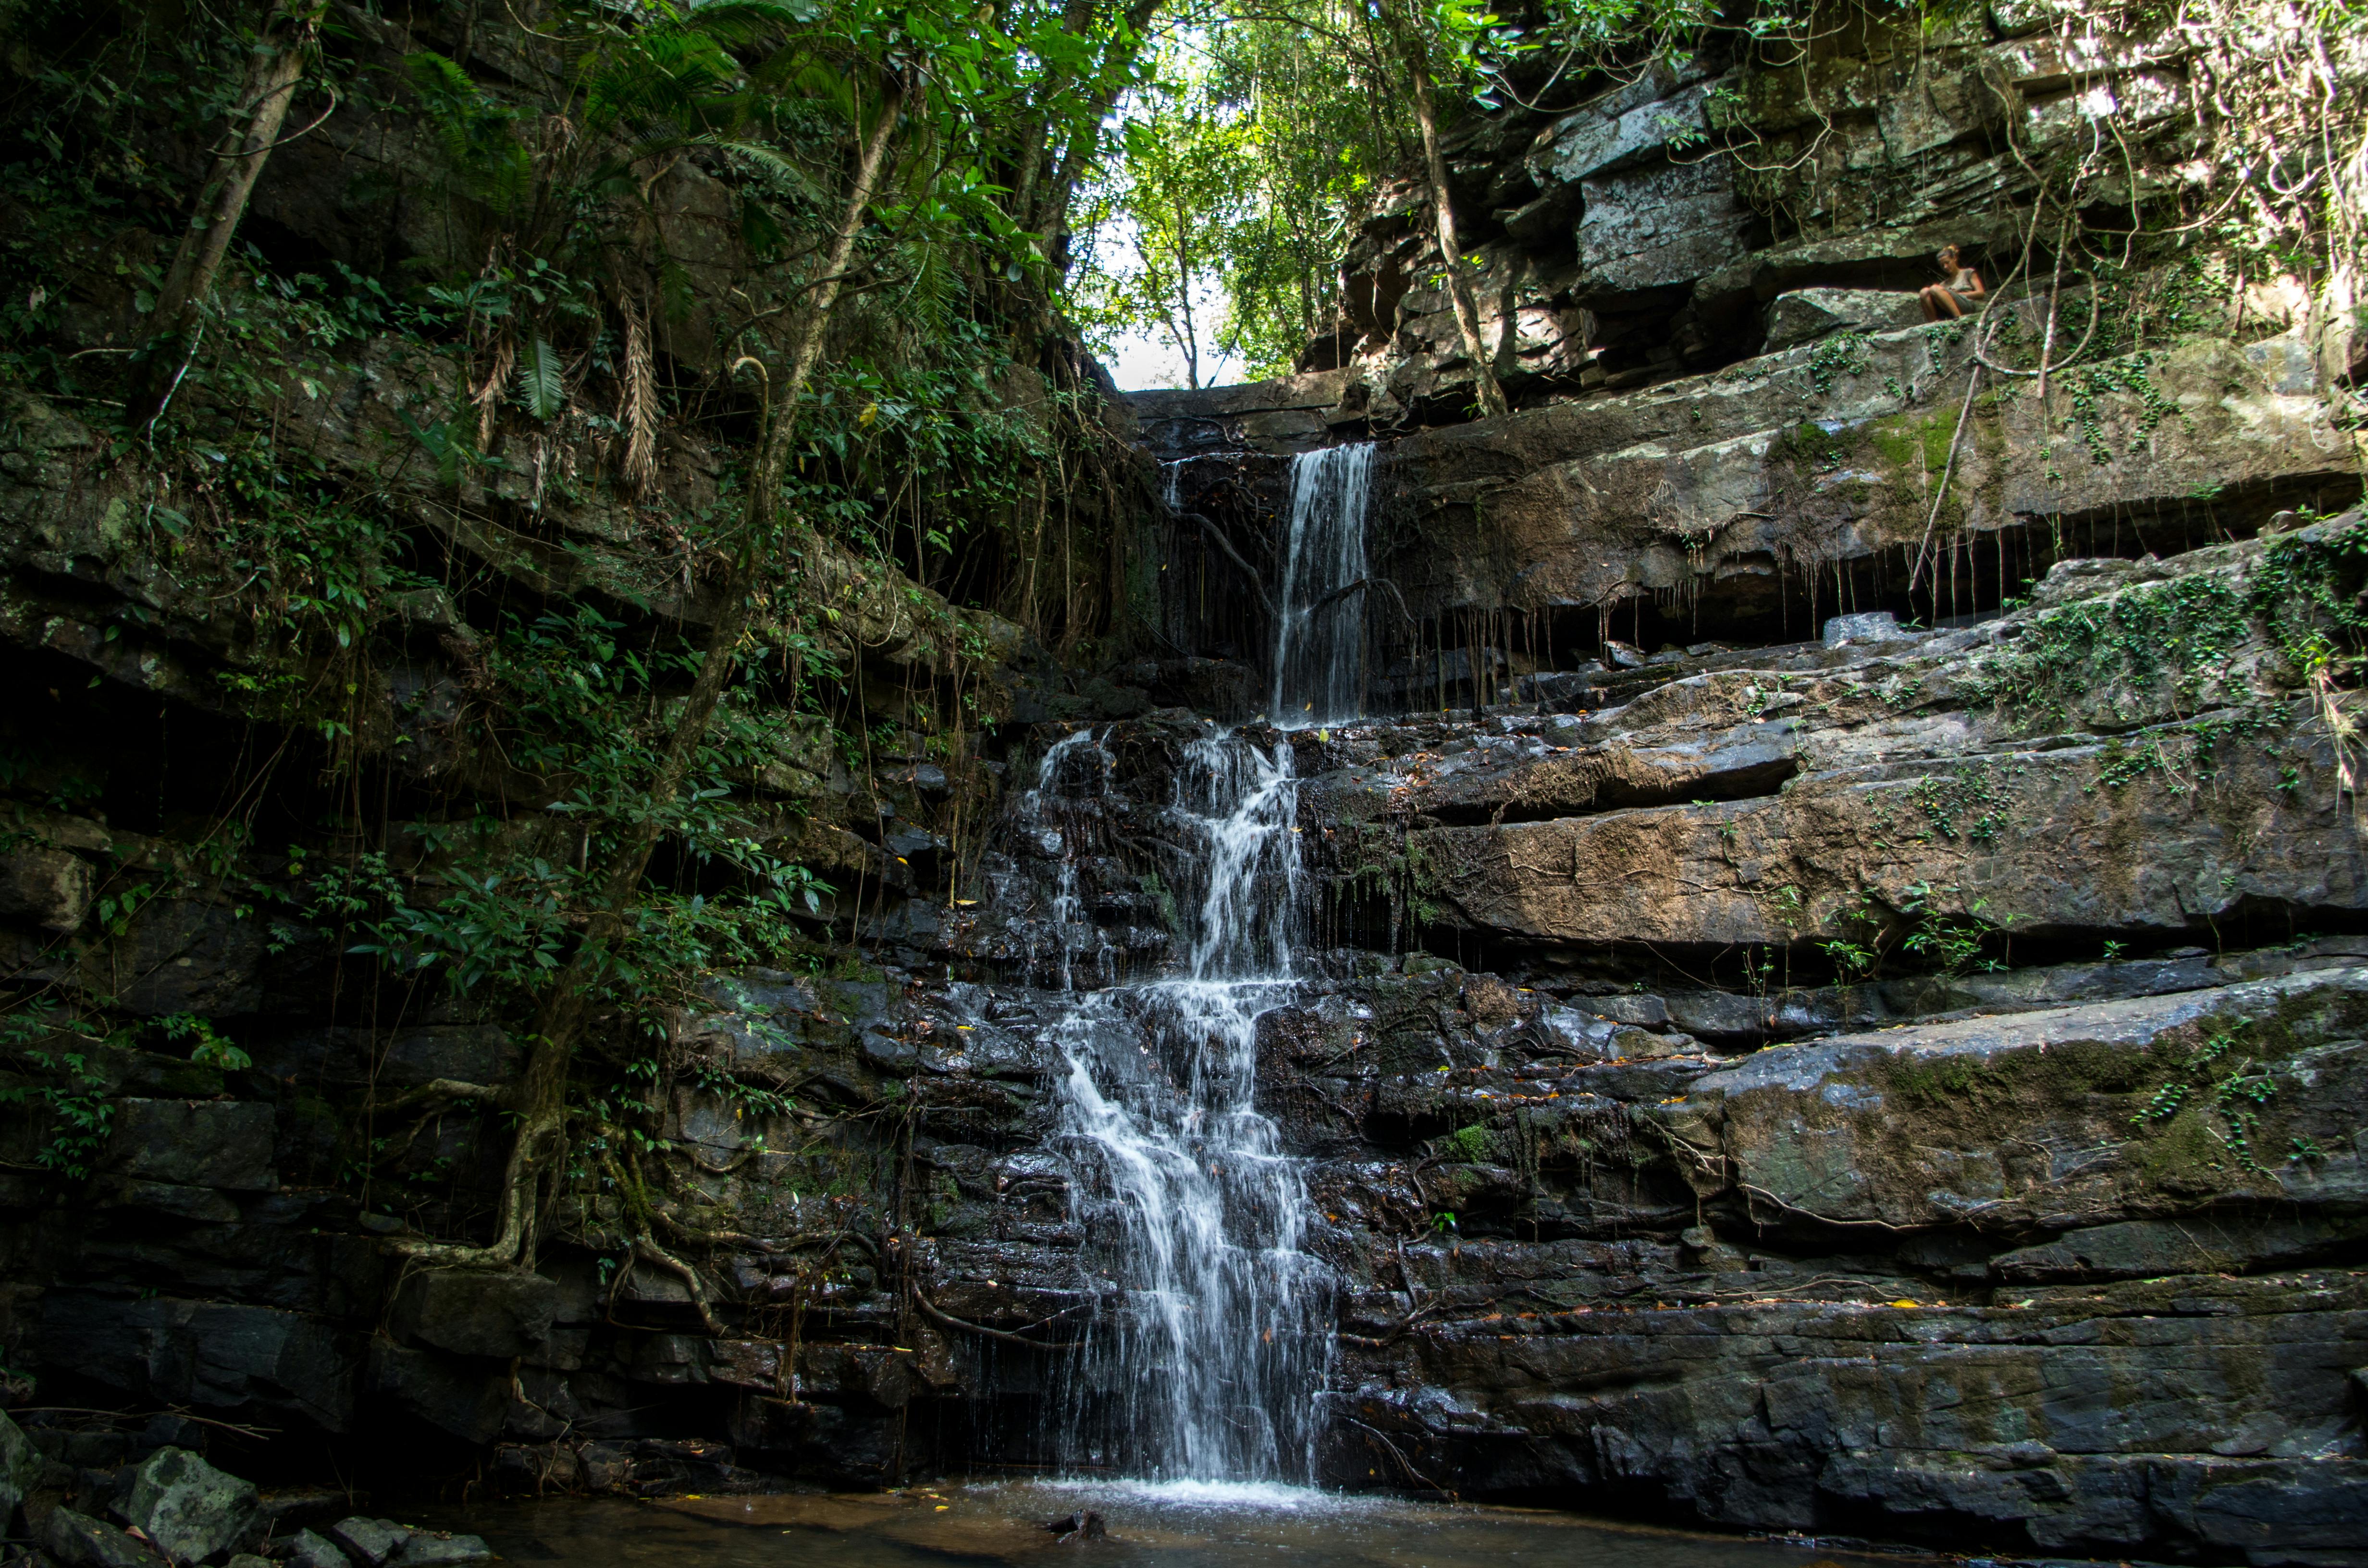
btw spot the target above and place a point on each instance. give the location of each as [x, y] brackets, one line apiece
[1852, 961]
[1952, 942]
[209, 1048]
[2236, 1096]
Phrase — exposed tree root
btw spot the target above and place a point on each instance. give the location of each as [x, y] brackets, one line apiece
[931, 1310]
[649, 1251]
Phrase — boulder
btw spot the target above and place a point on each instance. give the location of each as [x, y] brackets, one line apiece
[1869, 626]
[1805, 314]
[427, 1549]
[187, 1506]
[20, 1468]
[49, 887]
[370, 1542]
[310, 1548]
[80, 1541]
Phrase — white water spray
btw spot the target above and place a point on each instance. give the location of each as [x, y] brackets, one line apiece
[1210, 1366]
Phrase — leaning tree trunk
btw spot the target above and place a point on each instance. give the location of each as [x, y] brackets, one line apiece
[540, 1098]
[271, 76]
[1404, 29]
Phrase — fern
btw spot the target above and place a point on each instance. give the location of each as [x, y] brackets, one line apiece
[540, 387]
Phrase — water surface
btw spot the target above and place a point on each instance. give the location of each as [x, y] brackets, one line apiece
[1171, 1525]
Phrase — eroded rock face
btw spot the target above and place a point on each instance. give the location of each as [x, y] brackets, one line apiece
[1744, 1378]
[1731, 421]
[2038, 1223]
[1756, 1053]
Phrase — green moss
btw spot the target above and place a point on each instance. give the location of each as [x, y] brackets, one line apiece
[1945, 1080]
[1910, 445]
[2184, 631]
[2016, 1085]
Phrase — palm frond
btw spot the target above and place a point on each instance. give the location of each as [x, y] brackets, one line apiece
[540, 383]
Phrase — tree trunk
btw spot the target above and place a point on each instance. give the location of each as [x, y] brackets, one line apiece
[1184, 297]
[271, 86]
[1412, 54]
[542, 1098]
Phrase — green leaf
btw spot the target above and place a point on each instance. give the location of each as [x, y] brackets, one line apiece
[539, 380]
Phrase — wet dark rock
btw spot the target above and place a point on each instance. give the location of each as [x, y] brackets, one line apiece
[218, 1143]
[430, 1548]
[310, 1548]
[20, 1469]
[464, 1397]
[491, 1312]
[202, 1352]
[2201, 1243]
[890, 1054]
[1084, 1524]
[472, 1054]
[47, 886]
[80, 1541]
[374, 1543]
[189, 1509]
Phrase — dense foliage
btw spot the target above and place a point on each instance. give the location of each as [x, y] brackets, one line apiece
[629, 424]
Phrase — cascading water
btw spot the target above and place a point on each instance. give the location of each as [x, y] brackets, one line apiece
[1210, 1355]
[1208, 1364]
[1320, 632]
[1213, 1342]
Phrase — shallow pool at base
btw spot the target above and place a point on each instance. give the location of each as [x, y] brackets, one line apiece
[1150, 1524]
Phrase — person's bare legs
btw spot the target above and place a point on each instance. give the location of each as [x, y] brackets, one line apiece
[1939, 302]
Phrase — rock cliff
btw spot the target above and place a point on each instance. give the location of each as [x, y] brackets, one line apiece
[1861, 848]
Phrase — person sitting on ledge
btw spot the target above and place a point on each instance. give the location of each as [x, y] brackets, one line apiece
[1945, 300]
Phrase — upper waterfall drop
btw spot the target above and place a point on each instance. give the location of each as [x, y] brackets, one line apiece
[1319, 642]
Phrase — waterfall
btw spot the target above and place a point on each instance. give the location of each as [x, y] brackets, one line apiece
[1320, 619]
[1213, 1338]
[1064, 823]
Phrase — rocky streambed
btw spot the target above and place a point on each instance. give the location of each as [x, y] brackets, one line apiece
[91, 1496]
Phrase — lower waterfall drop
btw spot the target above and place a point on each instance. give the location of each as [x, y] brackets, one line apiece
[1319, 642]
[1213, 1341]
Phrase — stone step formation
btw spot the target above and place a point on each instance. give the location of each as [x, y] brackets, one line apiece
[1778, 937]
